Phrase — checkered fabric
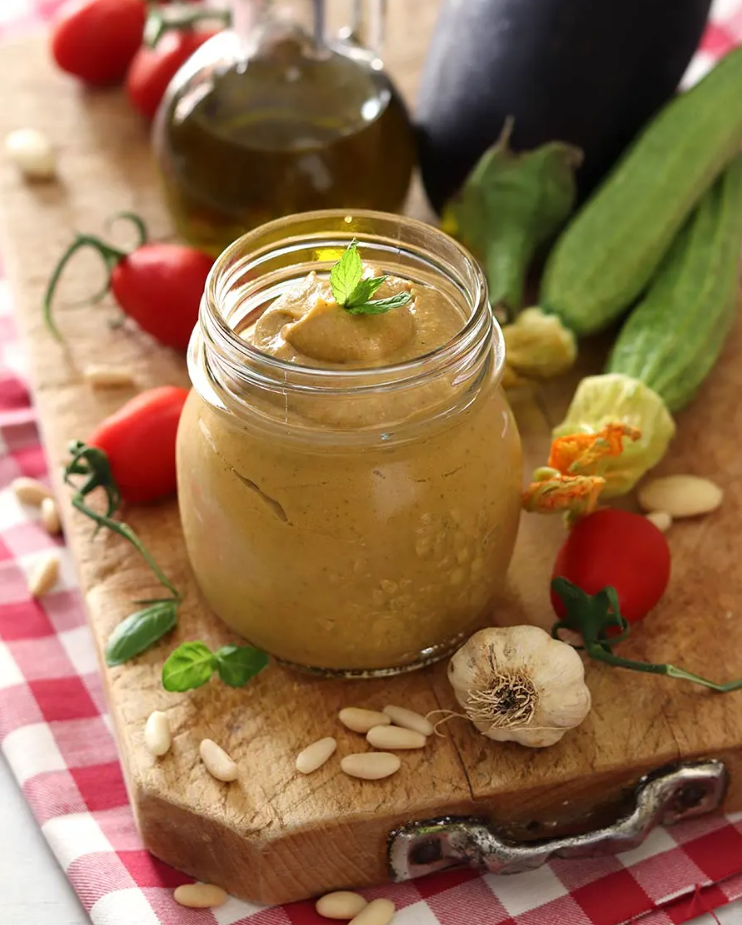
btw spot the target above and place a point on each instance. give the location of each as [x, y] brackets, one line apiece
[56, 735]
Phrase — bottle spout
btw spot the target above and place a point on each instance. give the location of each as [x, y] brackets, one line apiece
[245, 15]
[308, 16]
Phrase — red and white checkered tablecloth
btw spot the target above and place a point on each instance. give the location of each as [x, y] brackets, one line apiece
[55, 732]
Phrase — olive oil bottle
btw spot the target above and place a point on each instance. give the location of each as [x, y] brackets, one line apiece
[271, 118]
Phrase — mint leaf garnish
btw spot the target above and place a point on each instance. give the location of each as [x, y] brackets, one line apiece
[353, 293]
[346, 275]
[364, 291]
[379, 306]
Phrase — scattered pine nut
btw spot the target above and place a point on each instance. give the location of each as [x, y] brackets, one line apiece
[217, 761]
[32, 153]
[107, 377]
[30, 491]
[681, 496]
[157, 735]
[408, 719]
[340, 905]
[377, 912]
[362, 720]
[370, 765]
[50, 517]
[44, 576]
[315, 755]
[661, 520]
[200, 895]
[394, 737]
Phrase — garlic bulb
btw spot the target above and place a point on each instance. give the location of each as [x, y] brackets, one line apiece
[518, 684]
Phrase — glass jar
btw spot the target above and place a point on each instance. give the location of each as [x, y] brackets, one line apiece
[353, 522]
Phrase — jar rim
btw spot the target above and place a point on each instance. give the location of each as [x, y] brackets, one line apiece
[326, 226]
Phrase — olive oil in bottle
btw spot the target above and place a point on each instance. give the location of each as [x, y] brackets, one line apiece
[269, 119]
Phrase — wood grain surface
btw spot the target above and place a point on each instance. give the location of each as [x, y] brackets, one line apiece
[274, 835]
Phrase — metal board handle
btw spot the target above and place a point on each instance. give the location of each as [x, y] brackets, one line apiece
[662, 798]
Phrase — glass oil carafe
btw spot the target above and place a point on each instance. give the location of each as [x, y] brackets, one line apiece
[276, 116]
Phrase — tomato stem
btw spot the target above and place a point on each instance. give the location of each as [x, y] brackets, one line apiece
[162, 19]
[602, 653]
[111, 257]
[136, 220]
[593, 615]
[93, 463]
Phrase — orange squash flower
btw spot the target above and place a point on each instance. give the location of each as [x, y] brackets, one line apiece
[572, 481]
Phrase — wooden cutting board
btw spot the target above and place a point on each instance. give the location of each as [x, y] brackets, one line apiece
[274, 835]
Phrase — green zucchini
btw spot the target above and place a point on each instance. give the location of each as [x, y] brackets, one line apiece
[672, 338]
[611, 249]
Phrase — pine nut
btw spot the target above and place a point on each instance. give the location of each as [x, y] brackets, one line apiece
[340, 905]
[661, 520]
[681, 496]
[377, 912]
[315, 755]
[408, 719]
[157, 735]
[362, 720]
[30, 491]
[107, 377]
[394, 737]
[32, 153]
[50, 517]
[370, 765]
[44, 576]
[200, 895]
[217, 761]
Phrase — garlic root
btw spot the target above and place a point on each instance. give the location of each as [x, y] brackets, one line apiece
[517, 684]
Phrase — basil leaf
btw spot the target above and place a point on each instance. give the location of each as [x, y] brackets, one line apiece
[346, 274]
[379, 306]
[238, 664]
[188, 666]
[140, 630]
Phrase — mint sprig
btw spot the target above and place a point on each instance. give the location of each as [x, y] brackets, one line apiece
[355, 294]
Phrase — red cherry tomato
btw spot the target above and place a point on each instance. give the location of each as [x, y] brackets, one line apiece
[96, 40]
[153, 68]
[619, 549]
[139, 440]
[160, 287]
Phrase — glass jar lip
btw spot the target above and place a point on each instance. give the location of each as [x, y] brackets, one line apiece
[407, 368]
